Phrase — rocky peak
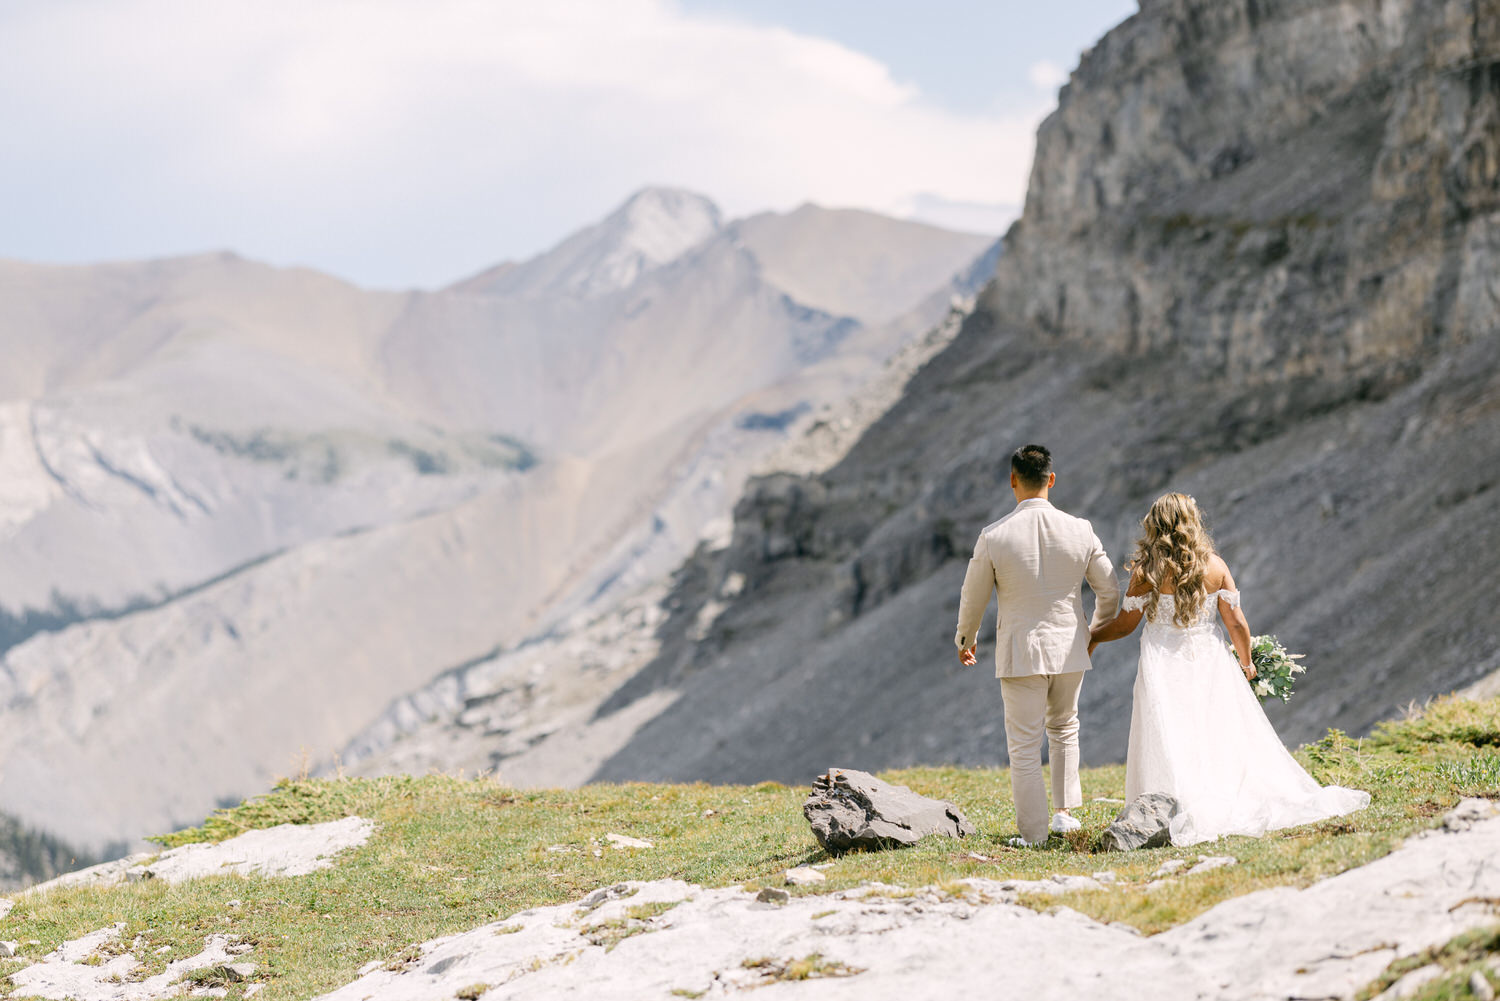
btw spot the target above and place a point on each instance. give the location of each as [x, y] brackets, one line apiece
[659, 224]
[653, 228]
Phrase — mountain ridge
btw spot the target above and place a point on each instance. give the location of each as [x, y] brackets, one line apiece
[317, 477]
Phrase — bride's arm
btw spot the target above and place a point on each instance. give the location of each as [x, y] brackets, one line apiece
[1235, 624]
[1124, 624]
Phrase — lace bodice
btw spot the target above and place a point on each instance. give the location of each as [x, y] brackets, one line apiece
[1166, 607]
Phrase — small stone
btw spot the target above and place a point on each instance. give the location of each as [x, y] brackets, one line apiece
[5, 905]
[1107, 876]
[1469, 812]
[979, 858]
[1168, 867]
[1410, 984]
[605, 894]
[235, 903]
[9, 949]
[254, 989]
[1479, 986]
[1208, 863]
[241, 971]
[559, 849]
[598, 853]
[709, 813]
[210, 992]
[771, 895]
[136, 874]
[624, 841]
[1145, 823]
[804, 875]
[164, 950]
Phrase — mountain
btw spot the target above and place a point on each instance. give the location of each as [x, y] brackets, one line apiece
[654, 227]
[247, 507]
[1257, 264]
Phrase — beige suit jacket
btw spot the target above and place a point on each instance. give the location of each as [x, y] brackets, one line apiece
[1037, 559]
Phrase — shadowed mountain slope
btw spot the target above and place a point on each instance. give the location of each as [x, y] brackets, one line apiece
[1258, 262]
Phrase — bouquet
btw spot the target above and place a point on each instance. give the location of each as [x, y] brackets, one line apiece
[1275, 669]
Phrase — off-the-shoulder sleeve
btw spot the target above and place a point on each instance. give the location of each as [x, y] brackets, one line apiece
[1231, 598]
[1134, 602]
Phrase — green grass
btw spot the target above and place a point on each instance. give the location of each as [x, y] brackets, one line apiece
[1460, 959]
[450, 854]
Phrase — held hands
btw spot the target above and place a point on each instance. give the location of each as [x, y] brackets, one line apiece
[967, 658]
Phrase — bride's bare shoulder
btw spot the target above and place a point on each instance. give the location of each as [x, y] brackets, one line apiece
[1218, 577]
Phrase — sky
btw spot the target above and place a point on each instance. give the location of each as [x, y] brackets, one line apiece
[410, 143]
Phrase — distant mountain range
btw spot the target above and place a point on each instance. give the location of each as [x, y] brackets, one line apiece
[242, 508]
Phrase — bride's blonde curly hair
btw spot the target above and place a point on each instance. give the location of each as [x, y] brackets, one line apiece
[1175, 551]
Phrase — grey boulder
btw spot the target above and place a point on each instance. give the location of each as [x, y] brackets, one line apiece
[853, 809]
[1145, 823]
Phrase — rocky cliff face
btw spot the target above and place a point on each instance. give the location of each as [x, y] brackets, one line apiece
[1259, 262]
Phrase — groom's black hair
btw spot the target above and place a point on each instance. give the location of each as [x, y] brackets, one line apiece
[1032, 464]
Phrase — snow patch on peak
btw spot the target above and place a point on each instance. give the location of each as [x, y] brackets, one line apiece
[663, 223]
[654, 227]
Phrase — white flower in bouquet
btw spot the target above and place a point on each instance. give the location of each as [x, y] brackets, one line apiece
[1275, 669]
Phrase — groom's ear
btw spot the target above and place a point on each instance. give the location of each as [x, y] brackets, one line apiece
[1051, 480]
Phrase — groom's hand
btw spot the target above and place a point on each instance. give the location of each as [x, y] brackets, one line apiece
[967, 658]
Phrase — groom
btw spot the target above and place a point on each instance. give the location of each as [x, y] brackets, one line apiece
[1037, 558]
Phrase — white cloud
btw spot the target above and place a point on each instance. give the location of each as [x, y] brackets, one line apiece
[970, 217]
[402, 142]
[1046, 75]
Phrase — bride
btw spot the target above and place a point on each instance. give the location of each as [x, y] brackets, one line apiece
[1197, 732]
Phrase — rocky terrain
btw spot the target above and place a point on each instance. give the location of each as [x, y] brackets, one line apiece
[245, 507]
[1415, 921]
[1257, 263]
[1330, 940]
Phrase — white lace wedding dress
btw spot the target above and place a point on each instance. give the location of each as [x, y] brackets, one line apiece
[1198, 733]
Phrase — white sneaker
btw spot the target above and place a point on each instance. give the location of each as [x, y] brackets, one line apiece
[1019, 842]
[1062, 823]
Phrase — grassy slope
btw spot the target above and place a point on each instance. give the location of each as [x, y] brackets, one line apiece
[452, 853]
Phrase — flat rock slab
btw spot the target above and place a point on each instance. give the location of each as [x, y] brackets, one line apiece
[80, 971]
[1326, 941]
[853, 809]
[287, 850]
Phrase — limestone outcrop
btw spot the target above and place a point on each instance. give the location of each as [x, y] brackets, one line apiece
[1329, 940]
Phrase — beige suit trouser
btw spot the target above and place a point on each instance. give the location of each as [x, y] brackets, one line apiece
[1033, 704]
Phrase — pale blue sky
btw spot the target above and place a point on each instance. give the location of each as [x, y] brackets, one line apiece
[966, 54]
[401, 143]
